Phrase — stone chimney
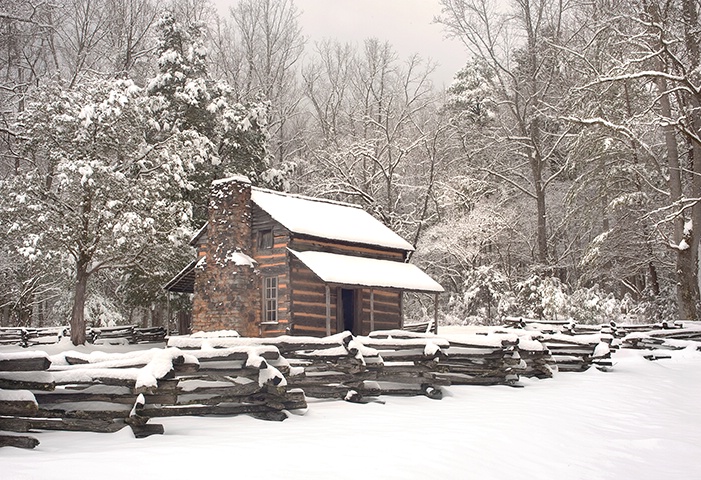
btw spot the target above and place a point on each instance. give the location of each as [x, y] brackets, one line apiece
[227, 284]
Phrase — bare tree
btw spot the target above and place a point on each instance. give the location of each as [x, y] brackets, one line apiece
[257, 50]
[130, 36]
[516, 50]
[375, 136]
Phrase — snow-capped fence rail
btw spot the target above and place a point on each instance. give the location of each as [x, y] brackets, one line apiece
[126, 334]
[574, 347]
[79, 392]
[232, 381]
[30, 336]
[577, 353]
[682, 335]
[621, 330]
[322, 367]
[394, 362]
[14, 400]
[27, 336]
[468, 360]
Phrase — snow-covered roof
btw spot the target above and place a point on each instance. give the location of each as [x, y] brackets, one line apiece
[326, 219]
[367, 272]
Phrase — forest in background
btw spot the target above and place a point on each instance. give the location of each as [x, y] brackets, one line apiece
[558, 176]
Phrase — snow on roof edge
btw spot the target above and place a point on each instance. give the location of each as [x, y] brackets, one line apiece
[306, 197]
[233, 178]
[198, 234]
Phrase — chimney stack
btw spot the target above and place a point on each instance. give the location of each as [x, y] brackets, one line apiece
[227, 296]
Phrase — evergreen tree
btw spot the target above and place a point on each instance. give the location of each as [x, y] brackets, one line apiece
[186, 98]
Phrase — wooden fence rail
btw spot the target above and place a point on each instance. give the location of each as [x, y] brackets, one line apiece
[574, 347]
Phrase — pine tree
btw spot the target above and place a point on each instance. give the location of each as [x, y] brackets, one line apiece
[187, 99]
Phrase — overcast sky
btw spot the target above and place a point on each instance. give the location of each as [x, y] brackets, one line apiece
[406, 24]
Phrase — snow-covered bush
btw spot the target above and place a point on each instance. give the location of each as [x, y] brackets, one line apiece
[591, 305]
[487, 293]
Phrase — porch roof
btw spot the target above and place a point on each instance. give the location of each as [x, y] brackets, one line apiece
[350, 270]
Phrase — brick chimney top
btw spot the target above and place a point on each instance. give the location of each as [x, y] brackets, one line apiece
[233, 178]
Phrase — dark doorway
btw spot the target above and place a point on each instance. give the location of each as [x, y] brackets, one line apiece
[348, 309]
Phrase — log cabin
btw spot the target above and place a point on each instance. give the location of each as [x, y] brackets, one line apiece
[271, 263]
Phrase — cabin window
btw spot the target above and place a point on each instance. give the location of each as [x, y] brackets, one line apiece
[270, 292]
[265, 239]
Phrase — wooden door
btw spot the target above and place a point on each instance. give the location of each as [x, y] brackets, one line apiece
[348, 310]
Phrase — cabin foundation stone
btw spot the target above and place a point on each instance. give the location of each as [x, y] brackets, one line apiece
[227, 281]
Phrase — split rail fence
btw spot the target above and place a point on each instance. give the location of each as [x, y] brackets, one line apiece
[129, 334]
[220, 373]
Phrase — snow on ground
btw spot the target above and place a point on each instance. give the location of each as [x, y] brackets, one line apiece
[640, 421]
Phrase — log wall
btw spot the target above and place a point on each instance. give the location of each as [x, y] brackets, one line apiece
[387, 307]
[273, 262]
[308, 305]
[302, 295]
[303, 244]
[308, 302]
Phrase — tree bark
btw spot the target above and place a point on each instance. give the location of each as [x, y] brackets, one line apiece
[78, 313]
[691, 37]
[542, 232]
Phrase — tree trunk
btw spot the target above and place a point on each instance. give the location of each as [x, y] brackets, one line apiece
[542, 225]
[687, 290]
[78, 314]
[687, 259]
[5, 319]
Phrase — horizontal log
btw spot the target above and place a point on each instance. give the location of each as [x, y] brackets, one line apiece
[404, 390]
[463, 379]
[27, 381]
[18, 407]
[228, 368]
[412, 368]
[22, 424]
[125, 398]
[409, 379]
[84, 411]
[217, 388]
[326, 391]
[30, 364]
[204, 410]
[18, 441]
[211, 356]
[269, 416]
[476, 370]
[301, 244]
